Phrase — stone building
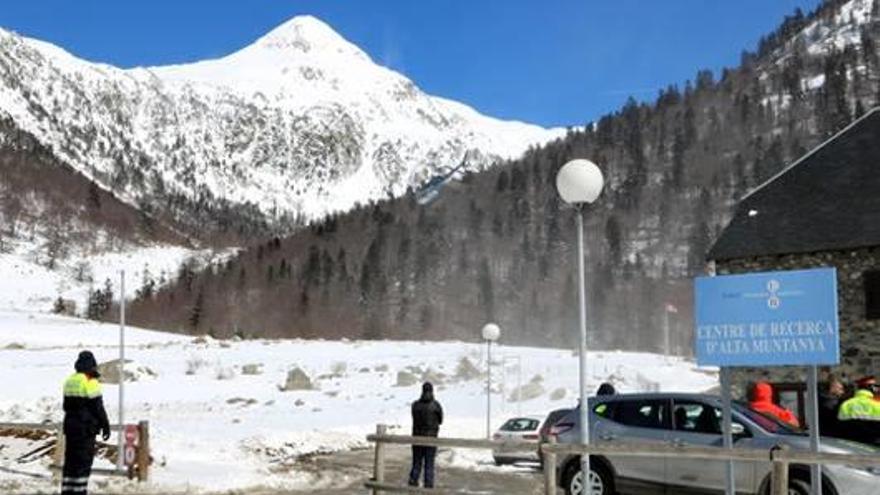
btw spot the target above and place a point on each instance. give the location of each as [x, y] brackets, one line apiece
[821, 211]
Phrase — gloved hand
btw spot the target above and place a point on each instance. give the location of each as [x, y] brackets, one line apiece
[105, 434]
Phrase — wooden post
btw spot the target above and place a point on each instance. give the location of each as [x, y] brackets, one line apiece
[58, 453]
[379, 460]
[779, 478]
[550, 467]
[143, 451]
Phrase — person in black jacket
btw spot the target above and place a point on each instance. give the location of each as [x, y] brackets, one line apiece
[427, 416]
[84, 417]
[831, 395]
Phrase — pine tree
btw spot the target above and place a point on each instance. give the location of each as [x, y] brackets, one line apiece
[196, 312]
[107, 301]
[93, 201]
[613, 238]
[148, 285]
[486, 290]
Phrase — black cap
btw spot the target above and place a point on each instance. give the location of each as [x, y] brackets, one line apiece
[86, 363]
[427, 387]
[606, 389]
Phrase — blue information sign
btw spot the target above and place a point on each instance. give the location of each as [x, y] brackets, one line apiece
[767, 319]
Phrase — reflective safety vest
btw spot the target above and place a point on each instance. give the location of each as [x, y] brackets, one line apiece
[80, 385]
[861, 406]
[84, 412]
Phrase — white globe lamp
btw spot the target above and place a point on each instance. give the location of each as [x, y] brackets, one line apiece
[491, 332]
[579, 181]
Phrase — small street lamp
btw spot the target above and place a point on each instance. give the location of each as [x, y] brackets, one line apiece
[491, 333]
[579, 183]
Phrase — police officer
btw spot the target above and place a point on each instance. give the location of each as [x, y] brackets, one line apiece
[863, 404]
[860, 416]
[84, 417]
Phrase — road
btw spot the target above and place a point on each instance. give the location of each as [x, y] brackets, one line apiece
[344, 473]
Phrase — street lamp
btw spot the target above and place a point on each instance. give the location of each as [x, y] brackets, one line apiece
[491, 332]
[579, 183]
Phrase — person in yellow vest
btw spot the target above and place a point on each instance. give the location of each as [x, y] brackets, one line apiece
[863, 405]
[84, 417]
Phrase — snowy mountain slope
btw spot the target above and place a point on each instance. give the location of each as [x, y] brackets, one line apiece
[215, 427]
[301, 122]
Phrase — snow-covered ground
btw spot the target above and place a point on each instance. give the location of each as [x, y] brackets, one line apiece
[216, 428]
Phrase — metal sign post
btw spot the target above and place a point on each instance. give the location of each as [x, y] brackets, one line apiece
[726, 416]
[121, 369]
[727, 431]
[813, 423]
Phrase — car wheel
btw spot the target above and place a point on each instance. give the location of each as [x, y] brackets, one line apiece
[600, 481]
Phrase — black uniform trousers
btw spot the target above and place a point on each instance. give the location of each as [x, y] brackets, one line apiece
[79, 452]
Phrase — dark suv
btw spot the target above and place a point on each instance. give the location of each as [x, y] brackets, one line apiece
[544, 432]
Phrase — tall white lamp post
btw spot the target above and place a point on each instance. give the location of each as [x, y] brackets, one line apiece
[491, 332]
[120, 464]
[579, 183]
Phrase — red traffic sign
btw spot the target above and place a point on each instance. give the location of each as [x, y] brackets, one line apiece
[131, 434]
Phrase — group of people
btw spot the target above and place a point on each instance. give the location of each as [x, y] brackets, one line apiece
[853, 416]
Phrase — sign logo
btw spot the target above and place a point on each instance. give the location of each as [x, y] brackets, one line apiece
[773, 301]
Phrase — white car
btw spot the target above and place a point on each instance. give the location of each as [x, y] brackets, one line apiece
[520, 428]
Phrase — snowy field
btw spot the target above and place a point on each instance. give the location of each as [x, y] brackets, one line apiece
[216, 427]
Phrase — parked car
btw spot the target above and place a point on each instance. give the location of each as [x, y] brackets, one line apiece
[694, 419]
[521, 428]
[544, 432]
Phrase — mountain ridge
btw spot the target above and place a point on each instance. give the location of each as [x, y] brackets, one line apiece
[316, 134]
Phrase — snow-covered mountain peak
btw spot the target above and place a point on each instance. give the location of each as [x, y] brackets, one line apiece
[304, 51]
[305, 34]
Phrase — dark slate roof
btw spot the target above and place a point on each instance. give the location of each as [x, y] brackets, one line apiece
[829, 200]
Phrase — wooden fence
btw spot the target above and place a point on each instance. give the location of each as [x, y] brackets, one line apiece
[140, 469]
[780, 457]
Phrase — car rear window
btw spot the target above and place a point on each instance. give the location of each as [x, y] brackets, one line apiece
[520, 424]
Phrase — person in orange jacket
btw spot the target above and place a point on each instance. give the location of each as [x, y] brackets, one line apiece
[760, 396]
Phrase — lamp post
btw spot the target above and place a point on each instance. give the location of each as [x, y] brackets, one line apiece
[579, 182]
[120, 451]
[491, 332]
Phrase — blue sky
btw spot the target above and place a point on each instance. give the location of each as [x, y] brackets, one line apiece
[558, 62]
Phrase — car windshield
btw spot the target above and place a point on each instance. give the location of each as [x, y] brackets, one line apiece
[520, 424]
[767, 422]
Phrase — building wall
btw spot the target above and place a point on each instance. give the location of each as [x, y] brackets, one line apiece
[859, 337]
